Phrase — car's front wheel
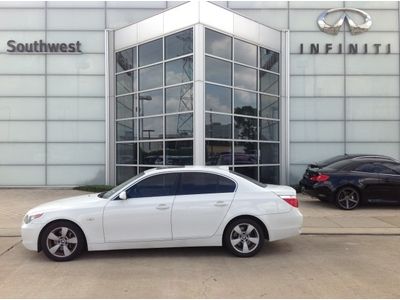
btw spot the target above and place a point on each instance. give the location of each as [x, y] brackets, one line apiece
[62, 241]
[244, 237]
[347, 198]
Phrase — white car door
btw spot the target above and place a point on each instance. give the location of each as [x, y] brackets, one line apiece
[146, 213]
[201, 203]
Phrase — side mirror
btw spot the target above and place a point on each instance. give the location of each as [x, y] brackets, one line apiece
[122, 195]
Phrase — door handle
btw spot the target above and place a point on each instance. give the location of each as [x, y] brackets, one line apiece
[162, 206]
[220, 203]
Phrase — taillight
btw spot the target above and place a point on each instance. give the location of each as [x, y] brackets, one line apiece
[292, 200]
[319, 177]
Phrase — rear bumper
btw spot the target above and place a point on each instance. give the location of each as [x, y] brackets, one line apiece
[284, 225]
[316, 190]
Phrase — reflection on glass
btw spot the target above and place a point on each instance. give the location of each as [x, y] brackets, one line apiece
[151, 128]
[269, 106]
[218, 98]
[269, 153]
[245, 77]
[151, 153]
[269, 175]
[125, 173]
[218, 44]
[150, 77]
[245, 103]
[125, 83]
[245, 128]
[179, 98]
[150, 52]
[126, 130]
[125, 107]
[269, 130]
[179, 153]
[179, 71]
[218, 153]
[269, 83]
[218, 71]
[245, 53]
[245, 153]
[126, 153]
[125, 60]
[269, 60]
[251, 172]
[179, 126]
[179, 44]
[150, 103]
[218, 126]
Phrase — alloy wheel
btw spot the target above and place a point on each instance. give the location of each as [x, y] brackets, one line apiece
[62, 242]
[244, 238]
[348, 198]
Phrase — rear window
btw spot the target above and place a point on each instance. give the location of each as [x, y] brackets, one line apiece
[204, 183]
[346, 164]
[252, 180]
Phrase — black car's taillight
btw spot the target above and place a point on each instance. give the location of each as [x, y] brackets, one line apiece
[319, 177]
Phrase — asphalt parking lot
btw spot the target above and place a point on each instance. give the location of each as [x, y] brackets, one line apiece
[341, 255]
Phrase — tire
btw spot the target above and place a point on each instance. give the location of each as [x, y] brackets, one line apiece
[243, 237]
[347, 198]
[62, 241]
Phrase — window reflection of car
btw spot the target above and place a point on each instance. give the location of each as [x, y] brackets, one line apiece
[240, 159]
[178, 160]
[153, 160]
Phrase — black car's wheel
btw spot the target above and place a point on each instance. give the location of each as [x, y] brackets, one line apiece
[62, 241]
[347, 198]
[243, 237]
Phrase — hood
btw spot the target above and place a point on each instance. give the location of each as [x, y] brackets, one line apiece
[67, 203]
[281, 190]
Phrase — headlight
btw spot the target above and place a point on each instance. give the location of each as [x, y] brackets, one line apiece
[30, 218]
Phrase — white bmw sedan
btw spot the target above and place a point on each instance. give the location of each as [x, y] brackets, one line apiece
[170, 207]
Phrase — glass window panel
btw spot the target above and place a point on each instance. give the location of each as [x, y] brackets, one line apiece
[179, 44]
[218, 98]
[125, 173]
[126, 153]
[245, 128]
[179, 126]
[179, 71]
[245, 77]
[269, 153]
[218, 153]
[151, 128]
[246, 153]
[154, 186]
[269, 130]
[251, 172]
[269, 175]
[269, 106]
[269, 83]
[218, 44]
[218, 126]
[126, 59]
[151, 103]
[204, 183]
[125, 83]
[150, 53]
[75, 153]
[179, 153]
[269, 60]
[125, 107]
[179, 98]
[245, 53]
[218, 71]
[245, 103]
[126, 130]
[151, 153]
[150, 77]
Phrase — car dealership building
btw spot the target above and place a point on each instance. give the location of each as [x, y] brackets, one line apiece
[94, 92]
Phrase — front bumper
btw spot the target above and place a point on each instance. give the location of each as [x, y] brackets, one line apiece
[30, 235]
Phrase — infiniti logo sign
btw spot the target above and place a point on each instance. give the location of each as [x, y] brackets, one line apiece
[354, 27]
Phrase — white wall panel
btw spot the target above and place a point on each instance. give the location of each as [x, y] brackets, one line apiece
[76, 64]
[22, 153]
[91, 41]
[217, 17]
[32, 19]
[22, 131]
[75, 175]
[76, 4]
[307, 38]
[257, 4]
[316, 131]
[318, 86]
[372, 109]
[181, 17]
[75, 19]
[301, 20]
[296, 173]
[373, 131]
[17, 85]
[372, 4]
[22, 109]
[117, 18]
[277, 18]
[387, 64]
[390, 149]
[79, 86]
[22, 64]
[126, 37]
[315, 4]
[245, 28]
[300, 152]
[372, 85]
[78, 153]
[150, 28]
[137, 4]
[22, 175]
[316, 108]
[75, 131]
[308, 64]
[372, 38]
[75, 108]
[22, 4]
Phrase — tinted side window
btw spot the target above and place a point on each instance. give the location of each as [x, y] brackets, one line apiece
[154, 186]
[204, 183]
[374, 168]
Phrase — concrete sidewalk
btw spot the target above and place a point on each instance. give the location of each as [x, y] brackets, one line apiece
[319, 218]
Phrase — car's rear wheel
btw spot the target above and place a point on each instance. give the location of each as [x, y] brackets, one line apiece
[347, 198]
[62, 241]
[244, 237]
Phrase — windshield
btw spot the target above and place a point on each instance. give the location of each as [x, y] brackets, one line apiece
[119, 187]
[263, 185]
